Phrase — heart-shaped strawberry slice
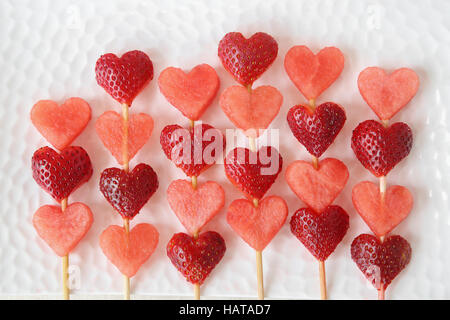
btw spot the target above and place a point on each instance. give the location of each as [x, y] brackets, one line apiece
[380, 262]
[379, 149]
[257, 225]
[313, 74]
[195, 207]
[253, 172]
[123, 78]
[316, 130]
[196, 258]
[128, 192]
[60, 125]
[60, 174]
[109, 127]
[62, 231]
[381, 214]
[251, 111]
[247, 59]
[387, 94]
[129, 251]
[317, 187]
[190, 93]
[192, 150]
[320, 233]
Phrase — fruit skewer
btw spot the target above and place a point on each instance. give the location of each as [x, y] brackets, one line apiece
[380, 147]
[320, 226]
[60, 174]
[194, 254]
[252, 111]
[127, 191]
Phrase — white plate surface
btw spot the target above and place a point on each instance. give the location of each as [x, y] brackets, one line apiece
[48, 50]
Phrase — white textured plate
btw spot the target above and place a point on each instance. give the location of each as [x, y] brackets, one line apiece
[48, 50]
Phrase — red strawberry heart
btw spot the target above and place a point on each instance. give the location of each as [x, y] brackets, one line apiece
[317, 187]
[196, 258]
[195, 207]
[253, 172]
[382, 215]
[380, 262]
[379, 149]
[190, 93]
[247, 59]
[60, 174]
[128, 192]
[123, 78]
[316, 130]
[251, 111]
[387, 94]
[128, 252]
[313, 74]
[320, 233]
[62, 231]
[257, 226]
[109, 127]
[60, 125]
[193, 150]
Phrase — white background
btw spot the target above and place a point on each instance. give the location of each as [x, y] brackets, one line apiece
[48, 50]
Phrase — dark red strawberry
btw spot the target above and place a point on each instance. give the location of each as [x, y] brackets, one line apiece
[247, 59]
[60, 174]
[253, 172]
[193, 150]
[195, 258]
[380, 262]
[378, 148]
[320, 233]
[316, 130]
[123, 78]
[128, 192]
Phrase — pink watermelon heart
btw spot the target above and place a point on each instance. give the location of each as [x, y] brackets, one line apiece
[317, 187]
[195, 207]
[190, 93]
[60, 125]
[62, 231]
[251, 111]
[129, 252]
[381, 215]
[109, 127]
[257, 226]
[387, 94]
[313, 74]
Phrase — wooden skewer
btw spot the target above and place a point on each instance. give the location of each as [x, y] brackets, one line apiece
[381, 293]
[315, 162]
[191, 123]
[252, 143]
[126, 167]
[323, 280]
[259, 275]
[312, 104]
[65, 263]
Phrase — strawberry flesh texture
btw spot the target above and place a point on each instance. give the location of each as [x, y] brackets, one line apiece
[379, 149]
[128, 192]
[196, 258]
[317, 130]
[60, 174]
[380, 262]
[320, 233]
[172, 143]
[251, 172]
[247, 59]
[123, 78]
